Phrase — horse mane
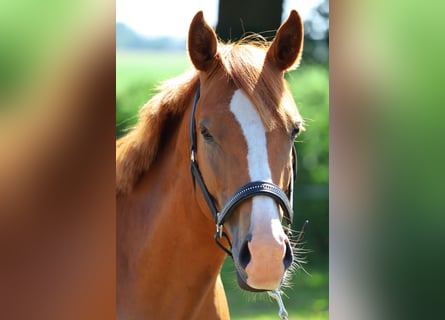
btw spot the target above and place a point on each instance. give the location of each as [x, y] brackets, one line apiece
[243, 62]
[136, 151]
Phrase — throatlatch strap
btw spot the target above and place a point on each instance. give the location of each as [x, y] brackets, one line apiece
[192, 121]
[196, 174]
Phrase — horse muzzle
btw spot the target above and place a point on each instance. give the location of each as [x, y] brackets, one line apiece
[261, 266]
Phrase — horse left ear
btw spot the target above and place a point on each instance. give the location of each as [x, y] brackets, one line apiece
[287, 46]
[202, 43]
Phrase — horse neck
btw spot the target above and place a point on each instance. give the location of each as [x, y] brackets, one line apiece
[165, 232]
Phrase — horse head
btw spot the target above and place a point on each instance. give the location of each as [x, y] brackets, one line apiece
[245, 122]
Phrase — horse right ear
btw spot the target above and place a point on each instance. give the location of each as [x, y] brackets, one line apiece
[287, 47]
[202, 43]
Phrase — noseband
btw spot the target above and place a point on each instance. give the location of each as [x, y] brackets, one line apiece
[245, 192]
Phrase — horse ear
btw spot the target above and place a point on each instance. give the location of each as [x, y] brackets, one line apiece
[202, 43]
[287, 46]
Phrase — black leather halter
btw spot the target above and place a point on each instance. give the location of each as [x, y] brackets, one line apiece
[247, 191]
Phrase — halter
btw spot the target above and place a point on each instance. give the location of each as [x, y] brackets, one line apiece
[245, 192]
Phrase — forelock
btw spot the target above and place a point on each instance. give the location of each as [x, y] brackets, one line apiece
[244, 63]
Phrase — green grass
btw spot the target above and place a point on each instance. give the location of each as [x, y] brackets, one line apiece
[137, 74]
[306, 299]
[134, 68]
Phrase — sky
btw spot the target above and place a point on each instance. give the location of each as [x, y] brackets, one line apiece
[172, 17]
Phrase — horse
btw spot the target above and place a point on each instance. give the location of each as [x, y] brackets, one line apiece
[213, 146]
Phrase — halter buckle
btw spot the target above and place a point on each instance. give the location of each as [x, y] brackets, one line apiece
[219, 230]
[220, 234]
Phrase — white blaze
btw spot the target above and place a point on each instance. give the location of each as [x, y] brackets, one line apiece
[264, 208]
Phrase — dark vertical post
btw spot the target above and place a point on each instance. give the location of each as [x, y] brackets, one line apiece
[237, 17]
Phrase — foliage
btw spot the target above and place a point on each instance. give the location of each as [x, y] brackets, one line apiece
[236, 18]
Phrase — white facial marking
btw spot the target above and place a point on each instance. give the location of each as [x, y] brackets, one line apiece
[255, 136]
[263, 208]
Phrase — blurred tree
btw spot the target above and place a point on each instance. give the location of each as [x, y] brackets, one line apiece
[235, 18]
[316, 34]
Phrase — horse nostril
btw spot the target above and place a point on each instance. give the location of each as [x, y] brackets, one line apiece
[288, 257]
[244, 255]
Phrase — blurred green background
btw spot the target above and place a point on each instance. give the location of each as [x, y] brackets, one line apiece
[137, 74]
[386, 71]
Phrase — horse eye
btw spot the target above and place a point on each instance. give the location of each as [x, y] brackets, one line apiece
[206, 134]
[295, 131]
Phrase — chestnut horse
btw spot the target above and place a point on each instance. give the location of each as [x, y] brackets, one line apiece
[234, 120]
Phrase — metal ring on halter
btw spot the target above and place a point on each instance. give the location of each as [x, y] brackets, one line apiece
[218, 235]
